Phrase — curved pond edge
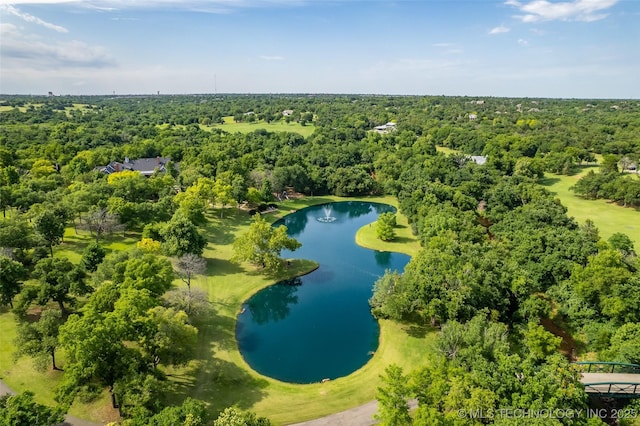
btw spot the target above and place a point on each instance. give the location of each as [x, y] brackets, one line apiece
[363, 228]
[253, 291]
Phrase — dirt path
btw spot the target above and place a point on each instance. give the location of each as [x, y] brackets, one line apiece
[357, 416]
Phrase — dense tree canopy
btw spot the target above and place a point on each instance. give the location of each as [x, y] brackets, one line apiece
[499, 256]
[23, 410]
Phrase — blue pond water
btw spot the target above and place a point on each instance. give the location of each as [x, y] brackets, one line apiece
[319, 325]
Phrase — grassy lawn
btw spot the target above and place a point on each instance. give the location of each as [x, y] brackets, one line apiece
[607, 216]
[67, 110]
[445, 150]
[77, 107]
[76, 241]
[276, 126]
[218, 374]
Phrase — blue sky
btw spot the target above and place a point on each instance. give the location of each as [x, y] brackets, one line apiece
[541, 48]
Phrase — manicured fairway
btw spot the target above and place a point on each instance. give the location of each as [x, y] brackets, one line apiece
[607, 216]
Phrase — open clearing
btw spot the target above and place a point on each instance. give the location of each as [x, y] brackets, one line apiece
[607, 216]
[276, 126]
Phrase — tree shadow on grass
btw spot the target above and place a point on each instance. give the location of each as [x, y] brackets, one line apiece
[548, 181]
[223, 231]
[416, 329]
[216, 381]
[220, 267]
[403, 240]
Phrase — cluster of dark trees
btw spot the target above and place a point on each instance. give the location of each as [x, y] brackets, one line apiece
[500, 261]
[500, 257]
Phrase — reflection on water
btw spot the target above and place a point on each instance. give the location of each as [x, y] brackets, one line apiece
[383, 258]
[295, 223]
[272, 303]
[353, 209]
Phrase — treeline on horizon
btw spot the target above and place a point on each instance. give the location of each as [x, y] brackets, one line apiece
[500, 264]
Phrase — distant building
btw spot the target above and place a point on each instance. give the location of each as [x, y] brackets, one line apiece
[146, 166]
[385, 128]
[287, 112]
[472, 116]
[479, 159]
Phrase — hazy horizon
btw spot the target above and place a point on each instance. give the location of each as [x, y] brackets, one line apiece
[578, 49]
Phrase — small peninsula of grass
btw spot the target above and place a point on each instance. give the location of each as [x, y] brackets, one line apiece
[404, 242]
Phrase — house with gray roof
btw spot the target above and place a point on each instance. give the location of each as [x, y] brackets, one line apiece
[146, 166]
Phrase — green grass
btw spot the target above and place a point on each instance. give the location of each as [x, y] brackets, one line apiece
[607, 216]
[67, 110]
[405, 241]
[5, 108]
[75, 241]
[21, 374]
[218, 374]
[77, 107]
[446, 150]
[276, 126]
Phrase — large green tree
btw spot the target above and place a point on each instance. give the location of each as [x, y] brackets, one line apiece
[11, 275]
[96, 355]
[384, 227]
[59, 280]
[51, 227]
[261, 245]
[181, 236]
[40, 339]
[392, 396]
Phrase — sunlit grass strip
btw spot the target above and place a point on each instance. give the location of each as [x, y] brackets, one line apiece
[231, 126]
[607, 216]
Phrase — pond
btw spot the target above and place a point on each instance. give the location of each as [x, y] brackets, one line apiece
[320, 325]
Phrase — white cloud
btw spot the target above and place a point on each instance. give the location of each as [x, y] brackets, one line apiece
[272, 58]
[20, 51]
[8, 30]
[208, 6]
[30, 18]
[523, 42]
[499, 30]
[576, 10]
